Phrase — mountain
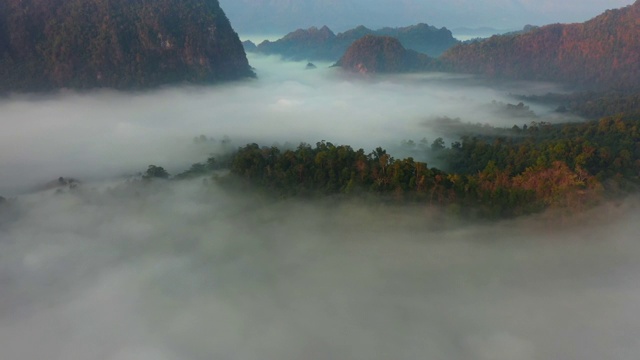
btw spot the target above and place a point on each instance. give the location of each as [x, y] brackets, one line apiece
[324, 44]
[309, 44]
[123, 44]
[383, 54]
[422, 38]
[249, 46]
[603, 52]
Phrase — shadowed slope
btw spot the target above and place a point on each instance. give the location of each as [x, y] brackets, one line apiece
[382, 54]
[602, 52]
[48, 44]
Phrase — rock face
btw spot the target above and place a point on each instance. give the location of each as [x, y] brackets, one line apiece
[383, 54]
[603, 52]
[123, 44]
[323, 44]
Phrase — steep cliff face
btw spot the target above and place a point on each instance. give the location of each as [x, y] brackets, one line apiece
[123, 44]
[383, 54]
[4, 35]
[603, 52]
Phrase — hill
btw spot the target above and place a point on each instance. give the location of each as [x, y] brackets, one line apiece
[383, 54]
[123, 44]
[506, 172]
[304, 44]
[324, 44]
[602, 53]
[422, 38]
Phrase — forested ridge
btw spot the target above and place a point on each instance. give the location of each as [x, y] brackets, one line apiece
[602, 53]
[383, 54]
[515, 171]
[591, 104]
[124, 44]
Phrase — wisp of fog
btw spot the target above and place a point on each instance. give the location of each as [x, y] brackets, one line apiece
[122, 269]
[105, 133]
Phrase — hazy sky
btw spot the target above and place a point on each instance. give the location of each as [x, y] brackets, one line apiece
[265, 16]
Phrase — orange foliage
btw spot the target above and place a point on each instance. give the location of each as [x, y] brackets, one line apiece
[603, 52]
[559, 186]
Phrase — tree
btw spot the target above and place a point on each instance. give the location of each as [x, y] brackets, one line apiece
[438, 144]
[157, 172]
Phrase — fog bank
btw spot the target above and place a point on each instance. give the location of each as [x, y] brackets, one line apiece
[106, 134]
[183, 271]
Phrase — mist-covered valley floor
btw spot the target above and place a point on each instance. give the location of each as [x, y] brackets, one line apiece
[106, 134]
[122, 269]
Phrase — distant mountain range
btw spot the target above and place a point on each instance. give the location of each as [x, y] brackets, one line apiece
[480, 31]
[278, 16]
[383, 54]
[123, 44]
[324, 44]
[603, 52]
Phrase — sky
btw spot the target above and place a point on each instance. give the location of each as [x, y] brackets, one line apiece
[282, 16]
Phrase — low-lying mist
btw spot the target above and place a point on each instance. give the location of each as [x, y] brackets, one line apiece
[110, 134]
[179, 270]
[120, 268]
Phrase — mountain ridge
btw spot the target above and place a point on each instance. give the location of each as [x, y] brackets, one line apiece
[83, 44]
[601, 52]
[382, 54]
[279, 16]
[323, 44]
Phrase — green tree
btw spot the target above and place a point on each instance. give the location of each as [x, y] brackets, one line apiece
[155, 172]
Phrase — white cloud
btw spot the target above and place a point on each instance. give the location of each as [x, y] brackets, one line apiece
[176, 271]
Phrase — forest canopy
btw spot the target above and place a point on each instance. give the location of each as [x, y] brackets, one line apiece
[504, 173]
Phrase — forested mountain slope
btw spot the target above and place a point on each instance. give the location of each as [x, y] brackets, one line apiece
[383, 54]
[603, 52]
[516, 171]
[124, 44]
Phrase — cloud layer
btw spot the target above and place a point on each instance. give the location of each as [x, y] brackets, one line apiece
[108, 134]
[179, 271]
